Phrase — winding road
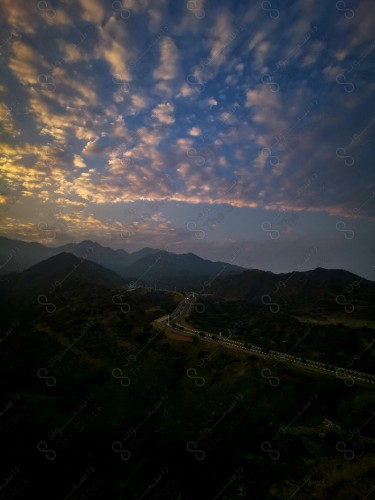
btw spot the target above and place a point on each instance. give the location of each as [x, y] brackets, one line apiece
[173, 322]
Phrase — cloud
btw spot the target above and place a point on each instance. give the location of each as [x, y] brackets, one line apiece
[260, 48]
[6, 121]
[138, 101]
[79, 162]
[195, 131]
[222, 161]
[31, 181]
[71, 52]
[113, 47]
[265, 104]
[60, 103]
[137, 5]
[119, 166]
[99, 146]
[239, 68]
[195, 14]
[30, 18]
[115, 55]
[27, 64]
[23, 17]
[167, 69]
[93, 11]
[185, 91]
[164, 113]
[150, 137]
[316, 49]
[358, 29]
[221, 36]
[42, 109]
[341, 54]
[59, 18]
[331, 72]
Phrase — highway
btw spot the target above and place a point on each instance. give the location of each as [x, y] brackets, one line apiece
[348, 376]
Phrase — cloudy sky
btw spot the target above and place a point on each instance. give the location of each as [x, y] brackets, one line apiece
[237, 130]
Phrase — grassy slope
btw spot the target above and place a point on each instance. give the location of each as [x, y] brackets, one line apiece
[334, 338]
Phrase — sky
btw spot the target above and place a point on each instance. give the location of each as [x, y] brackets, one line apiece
[241, 131]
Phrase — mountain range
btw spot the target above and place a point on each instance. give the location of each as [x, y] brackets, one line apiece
[28, 266]
[146, 266]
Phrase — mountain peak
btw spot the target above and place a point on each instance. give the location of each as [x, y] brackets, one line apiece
[65, 268]
[62, 257]
[89, 242]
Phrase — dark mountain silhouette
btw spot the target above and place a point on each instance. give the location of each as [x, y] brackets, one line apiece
[186, 270]
[116, 260]
[316, 285]
[63, 273]
[68, 268]
[140, 254]
[163, 269]
[17, 255]
[140, 266]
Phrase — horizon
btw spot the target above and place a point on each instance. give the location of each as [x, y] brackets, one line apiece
[186, 253]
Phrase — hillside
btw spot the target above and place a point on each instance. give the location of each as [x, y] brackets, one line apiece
[181, 271]
[49, 284]
[319, 286]
[114, 260]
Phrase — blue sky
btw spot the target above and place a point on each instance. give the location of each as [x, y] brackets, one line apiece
[223, 128]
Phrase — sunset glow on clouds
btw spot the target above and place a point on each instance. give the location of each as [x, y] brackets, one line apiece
[170, 110]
